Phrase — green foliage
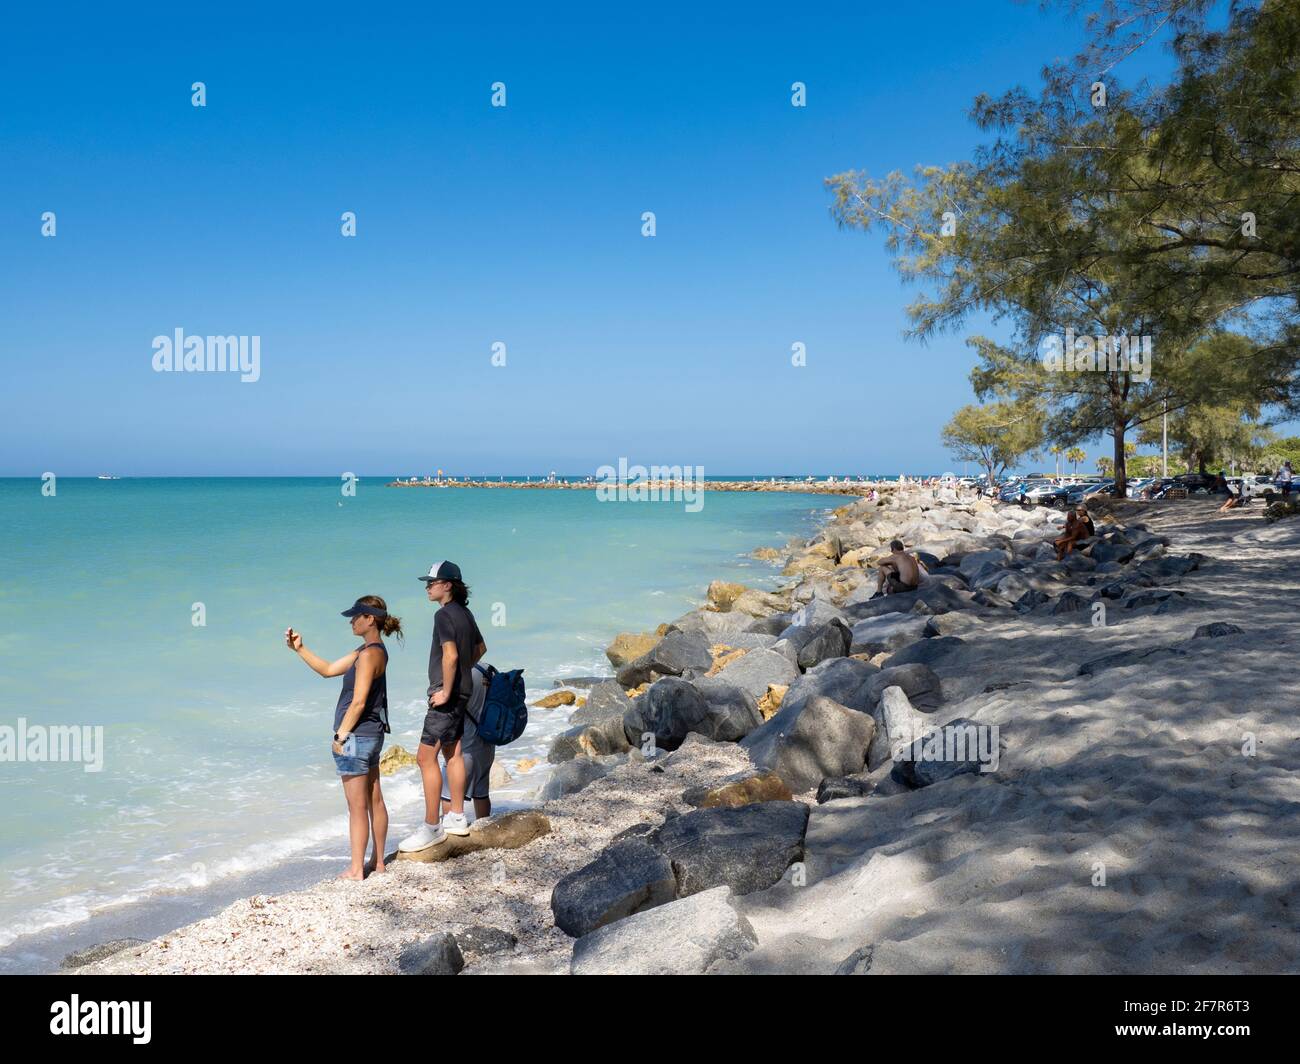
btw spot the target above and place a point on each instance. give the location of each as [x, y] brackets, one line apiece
[995, 435]
[1169, 213]
[1274, 452]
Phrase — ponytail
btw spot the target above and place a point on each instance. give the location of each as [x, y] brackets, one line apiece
[388, 624]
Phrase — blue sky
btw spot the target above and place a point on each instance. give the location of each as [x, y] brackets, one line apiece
[475, 225]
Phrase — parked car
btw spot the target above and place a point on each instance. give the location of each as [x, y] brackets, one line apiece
[1044, 491]
[1195, 483]
[1257, 484]
[1081, 492]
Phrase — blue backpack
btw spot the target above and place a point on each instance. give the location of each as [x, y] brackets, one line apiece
[505, 713]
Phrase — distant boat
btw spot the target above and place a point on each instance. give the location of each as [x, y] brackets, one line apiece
[106, 476]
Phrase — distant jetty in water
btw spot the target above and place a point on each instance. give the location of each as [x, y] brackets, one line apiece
[829, 486]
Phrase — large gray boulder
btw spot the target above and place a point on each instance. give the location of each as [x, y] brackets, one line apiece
[919, 682]
[672, 708]
[746, 641]
[808, 740]
[677, 654]
[710, 624]
[943, 594]
[843, 679]
[1012, 585]
[1168, 568]
[864, 603]
[898, 724]
[988, 577]
[573, 776]
[627, 877]
[747, 848]
[813, 615]
[814, 645]
[755, 670]
[1112, 550]
[1217, 630]
[773, 625]
[1071, 602]
[971, 563]
[733, 711]
[833, 790]
[965, 740]
[1124, 658]
[692, 936]
[437, 955]
[605, 699]
[606, 736]
[879, 634]
[788, 649]
[926, 652]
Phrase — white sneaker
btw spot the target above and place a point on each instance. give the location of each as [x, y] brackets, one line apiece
[427, 835]
[455, 824]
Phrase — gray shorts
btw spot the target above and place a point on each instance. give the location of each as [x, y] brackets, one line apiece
[478, 767]
[444, 725]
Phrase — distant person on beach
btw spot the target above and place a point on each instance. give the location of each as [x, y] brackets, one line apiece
[457, 647]
[1283, 479]
[478, 755]
[360, 723]
[1078, 525]
[1236, 497]
[899, 572]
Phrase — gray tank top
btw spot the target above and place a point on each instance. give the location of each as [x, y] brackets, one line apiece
[374, 717]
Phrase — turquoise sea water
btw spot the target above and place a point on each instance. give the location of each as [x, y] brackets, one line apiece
[216, 759]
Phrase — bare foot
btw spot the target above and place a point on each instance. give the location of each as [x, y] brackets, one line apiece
[351, 873]
[379, 867]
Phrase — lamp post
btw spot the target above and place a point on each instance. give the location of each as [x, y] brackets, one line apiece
[1164, 441]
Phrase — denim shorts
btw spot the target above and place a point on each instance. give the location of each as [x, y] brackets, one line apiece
[367, 756]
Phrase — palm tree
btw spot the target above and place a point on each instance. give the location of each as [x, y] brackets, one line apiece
[1075, 455]
[1057, 452]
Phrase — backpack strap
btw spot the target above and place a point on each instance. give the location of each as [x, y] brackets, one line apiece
[487, 675]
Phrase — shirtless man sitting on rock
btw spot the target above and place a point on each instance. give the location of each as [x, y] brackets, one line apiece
[899, 572]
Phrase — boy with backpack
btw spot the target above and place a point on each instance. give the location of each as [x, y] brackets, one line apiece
[457, 646]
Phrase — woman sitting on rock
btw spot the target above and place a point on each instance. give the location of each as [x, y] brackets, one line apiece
[1078, 525]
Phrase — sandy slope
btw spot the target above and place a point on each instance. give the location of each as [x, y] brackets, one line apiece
[1140, 768]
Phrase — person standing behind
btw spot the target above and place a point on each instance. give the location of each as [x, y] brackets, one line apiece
[478, 755]
[1283, 479]
[457, 646]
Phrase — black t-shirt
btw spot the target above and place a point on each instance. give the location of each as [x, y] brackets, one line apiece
[453, 623]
